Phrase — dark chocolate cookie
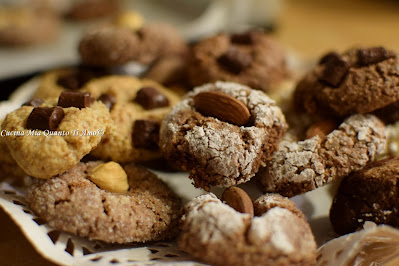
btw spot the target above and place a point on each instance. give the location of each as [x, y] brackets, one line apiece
[370, 194]
[356, 81]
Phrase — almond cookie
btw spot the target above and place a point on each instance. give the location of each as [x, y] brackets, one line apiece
[356, 81]
[137, 108]
[302, 166]
[19, 26]
[252, 58]
[217, 234]
[222, 133]
[369, 194]
[48, 139]
[148, 211]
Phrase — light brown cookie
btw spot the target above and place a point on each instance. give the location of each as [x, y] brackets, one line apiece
[53, 82]
[148, 211]
[137, 107]
[91, 9]
[221, 133]
[356, 81]
[21, 26]
[252, 58]
[48, 140]
[369, 194]
[215, 233]
[302, 166]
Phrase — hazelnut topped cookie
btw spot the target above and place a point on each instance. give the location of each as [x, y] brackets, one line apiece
[222, 133]
[251, 58]
[46, 139]
[359, 80]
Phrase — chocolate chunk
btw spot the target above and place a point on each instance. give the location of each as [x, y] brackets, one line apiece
[145, 134]
[372, 55]
[243, 38]
[45, 118]
[108, 100]
[235, 60]
[335, 71]
[328, 57]
[75, 80]
[150, 98]
[35, 102]
[75, 99]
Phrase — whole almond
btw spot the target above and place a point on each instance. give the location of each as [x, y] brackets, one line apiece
[222, 106]
[321, 128]
[239, 200]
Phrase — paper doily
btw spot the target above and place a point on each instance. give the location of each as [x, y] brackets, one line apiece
[64, 248]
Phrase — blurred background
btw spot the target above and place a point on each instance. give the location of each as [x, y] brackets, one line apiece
[307, 28]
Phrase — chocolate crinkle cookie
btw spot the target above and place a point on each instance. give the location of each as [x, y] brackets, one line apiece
[215, 233]
[148, 211]
[370, 194]
[222, 133]
[302, 166]
[360, 80]
[252, 58]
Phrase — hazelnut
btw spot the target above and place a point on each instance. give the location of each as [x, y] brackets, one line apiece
[110, 176]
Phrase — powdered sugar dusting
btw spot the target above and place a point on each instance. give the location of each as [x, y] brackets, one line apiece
[357, 141]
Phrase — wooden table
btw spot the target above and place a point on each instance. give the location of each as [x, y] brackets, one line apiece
[309, 28]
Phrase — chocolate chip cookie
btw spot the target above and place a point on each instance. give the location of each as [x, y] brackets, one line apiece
[251, 58]
[215, 233]
[137, 108]
[50, 138]
[360, 80]
[369, 194]
[148, 211]
[221, 133]
[302, 166]
[53, 82]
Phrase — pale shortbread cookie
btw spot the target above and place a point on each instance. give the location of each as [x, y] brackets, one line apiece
[117, 144]
[148, 211]
[219, 153]
[306, 165]
[215, 233]
[46, 156]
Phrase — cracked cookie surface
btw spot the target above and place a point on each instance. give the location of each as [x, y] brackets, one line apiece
[363, 87]
[302, 166]
[254, 59]
[219, 153]
[217, 234]
[149, 211]
[370, 194]
[48, 154]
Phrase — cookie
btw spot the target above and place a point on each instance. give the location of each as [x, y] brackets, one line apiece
[148, 211]
[251, 58]
[8, 166]
[113, 45]
[221, 133]
[269, 201]
[48, 139]
[360, 80]
[369, 194]
[137, 108]
[302, 166]
[19, 26]
[215, 233]
[91, 9]
[53, 82]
